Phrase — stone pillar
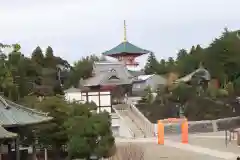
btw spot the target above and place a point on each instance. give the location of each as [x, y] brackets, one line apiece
[17, 151]
[1, 150]
[9, 146]
[34, 142]
[238, 137]
[46, 155]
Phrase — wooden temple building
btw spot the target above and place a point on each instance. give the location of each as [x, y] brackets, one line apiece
[13, 118]
[112, 81]
[109, 83]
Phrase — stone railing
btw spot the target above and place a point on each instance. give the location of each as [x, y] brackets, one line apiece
[123, 121]
[146, 126]
[203, 126]
[228, 123]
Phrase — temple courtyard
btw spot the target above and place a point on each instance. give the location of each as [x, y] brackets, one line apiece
[204, 146]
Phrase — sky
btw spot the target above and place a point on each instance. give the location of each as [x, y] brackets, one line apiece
[77, 28]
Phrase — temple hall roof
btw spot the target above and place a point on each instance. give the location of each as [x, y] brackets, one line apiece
[12, 114]
[72, 90]
[107, 73]
[4, 134]
[200, 72]
[126, 48]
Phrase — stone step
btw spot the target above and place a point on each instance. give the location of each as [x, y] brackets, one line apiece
[131, 124]
[137, 121]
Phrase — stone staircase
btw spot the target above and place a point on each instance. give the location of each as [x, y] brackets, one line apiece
[132, 121]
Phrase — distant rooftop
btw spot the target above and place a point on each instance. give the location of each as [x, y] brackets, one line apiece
[144, 77]
[200, 72]
[136, 73]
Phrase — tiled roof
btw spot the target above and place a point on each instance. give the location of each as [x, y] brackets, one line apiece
[144, 77]
[4, 134]
[103, 71]
[72, 89]
[204, 74]
[100, 67]
[136, 73]
[125, 47]
[12, 114]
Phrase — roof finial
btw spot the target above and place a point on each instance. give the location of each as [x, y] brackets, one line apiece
[125, 32]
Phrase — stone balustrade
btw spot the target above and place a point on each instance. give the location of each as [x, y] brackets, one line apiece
[194, 126]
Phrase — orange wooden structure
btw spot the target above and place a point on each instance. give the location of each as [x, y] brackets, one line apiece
[184, 129]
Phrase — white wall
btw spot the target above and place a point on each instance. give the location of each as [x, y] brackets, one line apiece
[102, 109]
[73, 96]
[105, 100]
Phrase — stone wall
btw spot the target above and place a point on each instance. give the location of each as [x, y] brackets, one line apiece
[194, 126]
[204, 126]
[228, 123]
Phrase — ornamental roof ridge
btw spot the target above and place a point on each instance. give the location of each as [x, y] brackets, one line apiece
[10, 104]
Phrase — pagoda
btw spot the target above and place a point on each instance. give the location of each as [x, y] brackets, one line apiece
[126, 52]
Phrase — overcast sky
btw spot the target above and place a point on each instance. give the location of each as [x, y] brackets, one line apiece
[75, 28]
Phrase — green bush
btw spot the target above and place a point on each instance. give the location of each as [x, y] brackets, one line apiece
[156, 111]
[202, 108]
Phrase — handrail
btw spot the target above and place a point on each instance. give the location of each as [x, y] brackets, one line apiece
[130, 131]
[147, 124]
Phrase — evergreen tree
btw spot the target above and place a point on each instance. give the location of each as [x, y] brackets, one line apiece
[37, 56]
[182, 53]
[162, 68]
[49, 58]
[82, 69]
[171, 64]
[152, 64]
[192, 50]
[49, 52]
[93, 138]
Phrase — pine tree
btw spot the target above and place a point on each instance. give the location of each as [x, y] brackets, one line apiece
[49, 58]
[37, 56]
[152, 65]
[49, 52]
[162, 69]
[182, 53]
[192, 50]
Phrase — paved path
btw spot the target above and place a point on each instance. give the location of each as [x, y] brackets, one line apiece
[207, 146]
[186, 147]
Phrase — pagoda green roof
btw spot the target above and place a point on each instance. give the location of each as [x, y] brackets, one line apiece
[126, 48]
[12, 114]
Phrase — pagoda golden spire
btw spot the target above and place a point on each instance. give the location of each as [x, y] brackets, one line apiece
[125, 32]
